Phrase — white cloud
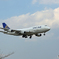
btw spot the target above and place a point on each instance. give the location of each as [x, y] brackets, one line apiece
[46, 1]
[49, 17]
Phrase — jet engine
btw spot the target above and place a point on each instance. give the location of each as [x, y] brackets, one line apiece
[12, 30]
[38, 35]
[23, 32]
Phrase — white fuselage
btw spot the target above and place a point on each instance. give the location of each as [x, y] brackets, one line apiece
[31, 30]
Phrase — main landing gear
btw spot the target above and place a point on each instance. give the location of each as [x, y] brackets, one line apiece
[30, 37]
[25, 36]
[44, 34]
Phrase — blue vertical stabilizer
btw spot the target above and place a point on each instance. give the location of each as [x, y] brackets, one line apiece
[5, 26]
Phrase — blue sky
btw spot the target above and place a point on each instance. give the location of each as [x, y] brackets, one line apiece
[11, 8]
[22, 14]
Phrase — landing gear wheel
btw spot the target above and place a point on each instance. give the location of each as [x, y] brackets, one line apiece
[44, 34]
[40, 34]
[25, 36]
[30, 37]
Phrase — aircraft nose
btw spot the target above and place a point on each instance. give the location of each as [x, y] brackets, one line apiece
[49, 28]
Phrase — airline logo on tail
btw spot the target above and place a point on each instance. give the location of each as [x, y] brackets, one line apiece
[5, 26]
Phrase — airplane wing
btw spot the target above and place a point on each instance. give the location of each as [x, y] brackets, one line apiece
[16, 31]
[20, 31]
[8, 55]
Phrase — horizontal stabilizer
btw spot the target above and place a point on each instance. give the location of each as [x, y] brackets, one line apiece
[4, 28]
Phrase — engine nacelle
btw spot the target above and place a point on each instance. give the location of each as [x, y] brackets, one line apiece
[23, 32]
[9, 30]
[38, 35]
[12, 30]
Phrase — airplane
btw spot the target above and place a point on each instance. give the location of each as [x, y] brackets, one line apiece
[35, 30]
[2, 56]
